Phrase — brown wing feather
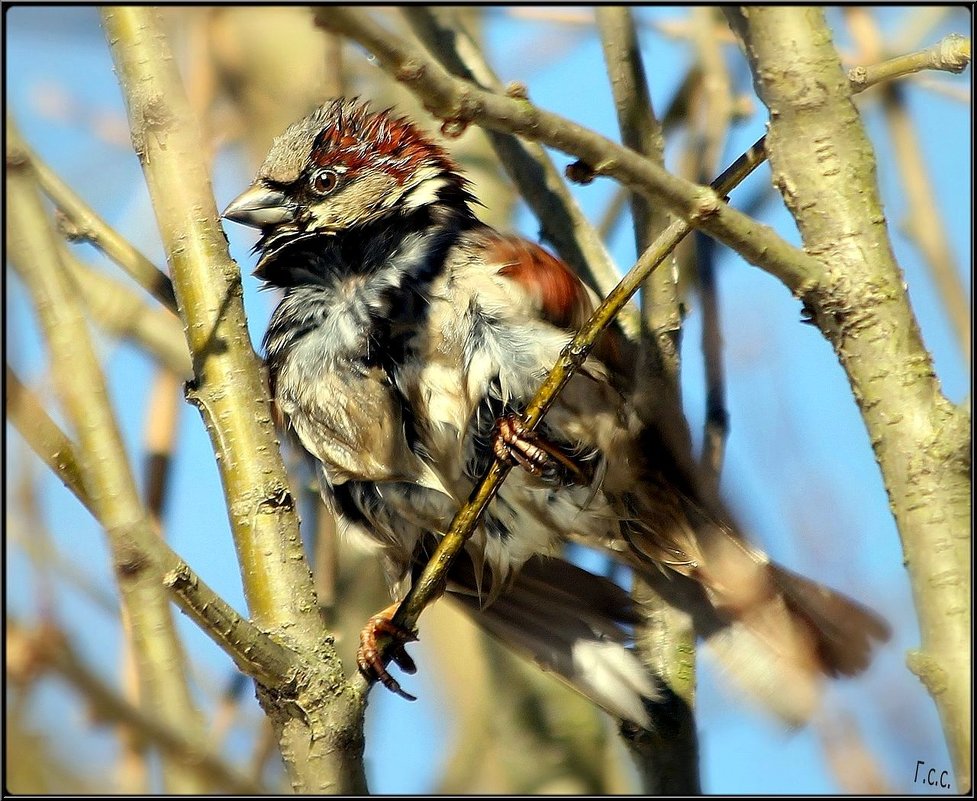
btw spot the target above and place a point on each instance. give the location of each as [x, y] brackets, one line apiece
[559, 295]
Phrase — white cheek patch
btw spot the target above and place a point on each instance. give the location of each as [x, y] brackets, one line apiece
[424, 193]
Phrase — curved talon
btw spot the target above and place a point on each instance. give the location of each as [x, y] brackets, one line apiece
[403, 660]
[372, 663]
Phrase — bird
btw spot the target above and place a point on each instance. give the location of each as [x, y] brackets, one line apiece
[408, 340]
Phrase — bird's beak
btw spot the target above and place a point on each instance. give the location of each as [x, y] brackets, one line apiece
[260, 207]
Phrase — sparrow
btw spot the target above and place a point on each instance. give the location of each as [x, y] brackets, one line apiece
[409, 338]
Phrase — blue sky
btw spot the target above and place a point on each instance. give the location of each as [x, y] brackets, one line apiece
[797, 450]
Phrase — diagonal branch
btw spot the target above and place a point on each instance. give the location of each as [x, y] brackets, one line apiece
[49, 648]
[253, 651]
[430, 585]
[122, 312]
[80, 221]
[459, 103]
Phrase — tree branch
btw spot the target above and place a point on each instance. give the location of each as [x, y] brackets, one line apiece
[49, 648]
[922, 222]
[667, 753]
[323, 747]
[161, 429]
[253, 651]
[82, 222]
[124, 314]
[227, 379]
[34, 251]
[950, 54]
[430, 585]
[824, 167]
[641, 132]
[455, 100]
[715, 114]
[43, 435]
[459, 103]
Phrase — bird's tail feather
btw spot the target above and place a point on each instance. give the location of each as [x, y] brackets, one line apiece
[775, 634]
[570, 623]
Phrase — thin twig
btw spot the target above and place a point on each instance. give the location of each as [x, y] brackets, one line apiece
[716, 111]
[430, 584]
[672, 28]
[641, 132]
[950, 54]
[43, 434]
[82, 222]
[613, 214]
[162, 419]
[36, 541]
[917, 26]
[959, 94]
[325, 551]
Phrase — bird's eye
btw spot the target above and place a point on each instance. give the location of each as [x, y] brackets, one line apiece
[325, 181]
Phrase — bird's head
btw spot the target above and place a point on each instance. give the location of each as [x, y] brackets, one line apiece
[343, 167]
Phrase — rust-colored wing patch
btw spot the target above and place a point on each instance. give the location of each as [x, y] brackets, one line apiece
[560, 296]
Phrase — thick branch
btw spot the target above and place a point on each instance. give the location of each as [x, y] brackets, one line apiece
[227, 385]
[322, 747]
[824, 167]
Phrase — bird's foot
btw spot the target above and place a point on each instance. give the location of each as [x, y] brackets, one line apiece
[515, 443]
[372, 659]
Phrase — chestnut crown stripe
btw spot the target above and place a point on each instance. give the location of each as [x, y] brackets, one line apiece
[345, 135]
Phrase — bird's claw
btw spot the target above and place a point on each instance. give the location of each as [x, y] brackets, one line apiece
[371, 659]
[515, 443]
